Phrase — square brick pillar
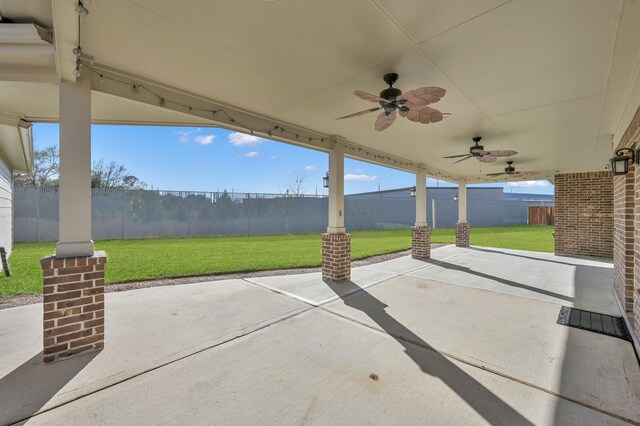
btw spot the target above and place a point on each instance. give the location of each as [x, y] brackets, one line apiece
[583, 214]
[623, 232]
[462, 234]
[421, 242]
[73, 305]
[336, 257]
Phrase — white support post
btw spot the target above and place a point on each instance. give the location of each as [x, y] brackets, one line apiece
[336, 190]
[421, 197]
[75, 169]
[433, 213]
[462, 227]
[420, 233]
[462, 203]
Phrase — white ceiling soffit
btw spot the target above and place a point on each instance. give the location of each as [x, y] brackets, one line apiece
[553, 80]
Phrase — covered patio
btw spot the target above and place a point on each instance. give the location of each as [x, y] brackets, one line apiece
[457, 339]
[458, 335]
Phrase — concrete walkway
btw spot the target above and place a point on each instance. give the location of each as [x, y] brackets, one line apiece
[467, 338]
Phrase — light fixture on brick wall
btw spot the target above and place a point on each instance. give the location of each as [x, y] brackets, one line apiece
[412, 191]
[325, 180]
[620, 163]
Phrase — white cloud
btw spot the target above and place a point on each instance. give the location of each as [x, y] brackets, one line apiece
[310, 168]
[183, 135]
[241, 139]
[358, 171]
[204, 139]
[273, 157]
[529, 183]
[252, 154]
[360, 178]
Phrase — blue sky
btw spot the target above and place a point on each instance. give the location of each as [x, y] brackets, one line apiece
[212, 159]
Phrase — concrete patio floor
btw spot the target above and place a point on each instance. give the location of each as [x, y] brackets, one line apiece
[469, 337]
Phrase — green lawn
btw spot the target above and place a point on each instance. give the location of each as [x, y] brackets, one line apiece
[134, 260]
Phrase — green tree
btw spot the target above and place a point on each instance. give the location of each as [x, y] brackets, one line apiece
[113, 176]
[46, 166]
[46, 170]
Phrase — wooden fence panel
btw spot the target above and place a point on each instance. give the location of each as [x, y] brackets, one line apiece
[540, 215]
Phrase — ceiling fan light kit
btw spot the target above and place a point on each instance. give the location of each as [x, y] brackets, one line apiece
[411, 104]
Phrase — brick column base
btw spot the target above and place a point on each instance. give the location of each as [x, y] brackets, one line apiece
[421, 242]
[73, 305]
[336, 257]
[462, 234]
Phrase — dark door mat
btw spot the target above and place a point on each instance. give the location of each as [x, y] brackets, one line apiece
[592, 321]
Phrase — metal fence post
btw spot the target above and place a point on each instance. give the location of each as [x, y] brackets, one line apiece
[38, 216]
[123, 208]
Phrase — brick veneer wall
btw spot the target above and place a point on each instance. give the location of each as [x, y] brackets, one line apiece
[73, 302]
[421, 242]
[631, 138]
[462, 234]
[584, 214]
[634, 315]
[623, 253]
[336, 257]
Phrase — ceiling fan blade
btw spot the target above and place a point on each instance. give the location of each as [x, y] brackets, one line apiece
[487, 159]
[503, 153]
[462, 159]
[525, 174]
[495, 174]
[357, 114]
[423, 114]
[369, 97]
[456, 156]
[422, 96]
[383, 121]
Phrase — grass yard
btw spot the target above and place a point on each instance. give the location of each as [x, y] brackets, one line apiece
[135, 260]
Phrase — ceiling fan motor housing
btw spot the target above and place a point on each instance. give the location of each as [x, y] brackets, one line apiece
[509, 169]
[476, 149]
[390, 94]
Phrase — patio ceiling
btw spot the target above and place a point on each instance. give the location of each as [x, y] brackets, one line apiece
[556, 81]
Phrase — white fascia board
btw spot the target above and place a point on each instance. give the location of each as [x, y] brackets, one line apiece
[26, 138]
[9, 119]
[11, 33]
[17, 144]
[27, 49]
[28, 73]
